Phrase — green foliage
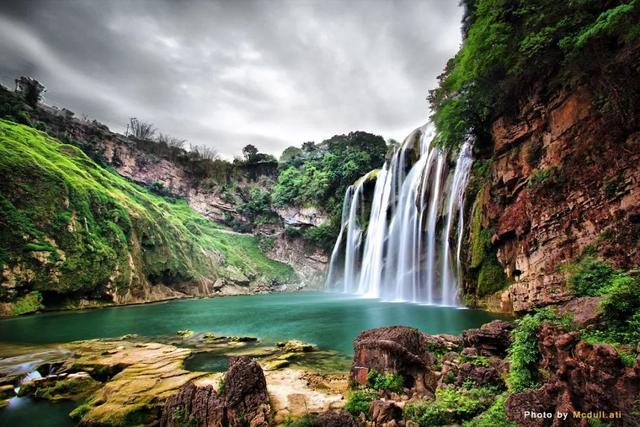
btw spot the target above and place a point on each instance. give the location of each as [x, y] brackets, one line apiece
[482, 361]
[29, 303]
[80, 411]
[385, 381]
[509, 45]
[308, 420]
[480, 238]
[319, 175]
[321, 235]
[590, 276]
[524, 353]
[181, 418]
[93, 222]
[491, 277]
[359, 401]
[221, 386]
[546, 177]
[258, 204]
[450, 406]
[492, 417]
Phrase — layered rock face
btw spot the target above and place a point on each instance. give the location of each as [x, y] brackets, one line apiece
[564, 176]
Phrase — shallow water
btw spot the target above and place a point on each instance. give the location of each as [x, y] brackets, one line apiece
[331, 321]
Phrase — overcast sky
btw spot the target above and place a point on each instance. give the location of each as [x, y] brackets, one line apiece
[228, 73]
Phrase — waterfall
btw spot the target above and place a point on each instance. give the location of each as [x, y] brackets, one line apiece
[406, 254]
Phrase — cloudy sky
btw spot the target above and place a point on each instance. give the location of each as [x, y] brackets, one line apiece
[272, 73]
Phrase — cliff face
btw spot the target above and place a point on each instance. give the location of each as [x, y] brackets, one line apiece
[75, 233]
[565, 179]
[215, 190]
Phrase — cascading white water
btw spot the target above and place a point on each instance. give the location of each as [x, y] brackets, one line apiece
[405, 256]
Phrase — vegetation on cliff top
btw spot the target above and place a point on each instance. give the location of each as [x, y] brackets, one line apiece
[319, 174]
[69, 226]
[510, 46]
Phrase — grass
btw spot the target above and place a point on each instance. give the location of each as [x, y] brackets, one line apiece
[102, 231]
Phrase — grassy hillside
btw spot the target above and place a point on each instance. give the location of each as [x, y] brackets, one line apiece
[71, 227]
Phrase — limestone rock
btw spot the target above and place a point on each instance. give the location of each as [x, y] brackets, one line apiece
[336, 419]
[384, 412]
[396, 349]
[584, 311]
[242, 400]
[491, 339]
[582, 377]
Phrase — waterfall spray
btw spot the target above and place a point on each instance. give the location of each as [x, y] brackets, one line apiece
[405, 255]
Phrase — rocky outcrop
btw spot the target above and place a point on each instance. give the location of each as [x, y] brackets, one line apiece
[309, 262]
[242, 400]
[385, 413]
[582, 378]
[396, 349]
[491, 339]
[305, 216]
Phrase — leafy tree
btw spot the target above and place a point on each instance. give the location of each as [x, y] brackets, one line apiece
[250, 152]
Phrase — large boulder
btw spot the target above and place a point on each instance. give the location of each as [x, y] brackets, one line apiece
[395, 349]
[242, 401]
[491, 339]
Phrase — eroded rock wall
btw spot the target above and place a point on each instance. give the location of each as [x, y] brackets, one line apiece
[564, 177]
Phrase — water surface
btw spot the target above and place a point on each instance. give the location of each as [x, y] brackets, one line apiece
[331, 321]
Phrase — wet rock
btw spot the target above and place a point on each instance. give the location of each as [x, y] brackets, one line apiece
[395, 349]
[241, 401]
[491, 339]
[7, 391]
[591, 189]
[295, 346]
[61, 387]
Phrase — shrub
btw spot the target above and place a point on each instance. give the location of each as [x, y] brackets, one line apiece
[29, 303]
[622, 300]
[492, 417]
[491, 277]
[360, 401]
[450, 406]
[385, 381]
[590, 276]
[308, 420]
[524, 353]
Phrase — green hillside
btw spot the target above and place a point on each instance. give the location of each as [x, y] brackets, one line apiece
[69, 226]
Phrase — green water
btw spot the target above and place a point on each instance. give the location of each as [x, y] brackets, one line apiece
[330, 321]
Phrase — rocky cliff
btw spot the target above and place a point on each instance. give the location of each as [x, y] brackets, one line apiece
[564, 179]
[75, 233]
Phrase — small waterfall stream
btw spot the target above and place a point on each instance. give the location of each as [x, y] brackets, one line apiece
[406, 253]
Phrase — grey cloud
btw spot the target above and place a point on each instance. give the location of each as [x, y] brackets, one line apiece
[227, 73]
